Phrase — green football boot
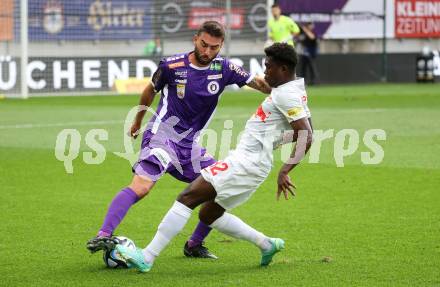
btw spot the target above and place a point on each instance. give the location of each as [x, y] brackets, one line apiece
[277, 246]
[134, 257]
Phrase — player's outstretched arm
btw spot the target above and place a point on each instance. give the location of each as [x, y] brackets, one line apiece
[303, 136]
[146, 99]
[258, 83]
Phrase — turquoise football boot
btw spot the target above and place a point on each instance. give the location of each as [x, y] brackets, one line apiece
[134, 257]
[277, 244]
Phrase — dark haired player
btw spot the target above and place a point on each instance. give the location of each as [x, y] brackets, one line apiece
[190, 86]
[231, 182]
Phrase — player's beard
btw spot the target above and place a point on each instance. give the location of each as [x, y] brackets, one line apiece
[203, 60]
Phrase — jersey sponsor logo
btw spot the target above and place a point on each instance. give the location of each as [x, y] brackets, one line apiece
[215, 77]
[182, 74]
[180, 81]
[213, 87]
[238, 70]
[260, 113]
[216, 66]
[169, 59]
[293, 112]
[176, 65]
[180, 91]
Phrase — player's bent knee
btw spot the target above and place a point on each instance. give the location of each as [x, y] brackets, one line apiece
[189, 198]
[197, 193]
[141, 191]
[141, 185]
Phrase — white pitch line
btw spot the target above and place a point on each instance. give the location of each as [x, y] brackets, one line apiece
[220, 117]
[74, 124]
[32, 126]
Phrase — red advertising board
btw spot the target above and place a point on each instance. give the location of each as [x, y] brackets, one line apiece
[6, 20]
[417, 18]
[199, 15]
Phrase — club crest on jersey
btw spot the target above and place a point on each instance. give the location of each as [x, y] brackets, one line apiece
[304, 98]
[180, 91]
[213, 87]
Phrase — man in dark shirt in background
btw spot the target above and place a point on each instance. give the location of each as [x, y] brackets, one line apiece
[309, 43]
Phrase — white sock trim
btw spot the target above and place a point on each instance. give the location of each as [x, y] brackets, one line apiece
[181, 209]
[221, 221]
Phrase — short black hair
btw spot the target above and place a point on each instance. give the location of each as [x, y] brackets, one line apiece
[276, 6]
[283, 54]
[213, 28]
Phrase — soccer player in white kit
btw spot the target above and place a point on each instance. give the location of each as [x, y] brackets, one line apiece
[282, 117]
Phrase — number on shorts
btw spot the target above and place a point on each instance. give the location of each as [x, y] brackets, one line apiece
[219, 166]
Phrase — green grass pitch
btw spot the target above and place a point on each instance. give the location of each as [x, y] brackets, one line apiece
[379, 224]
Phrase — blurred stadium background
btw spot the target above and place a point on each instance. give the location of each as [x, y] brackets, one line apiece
[83, 46]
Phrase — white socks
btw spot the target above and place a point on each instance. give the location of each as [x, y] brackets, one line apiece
[171, 225]
[233, 226]
[176, 219]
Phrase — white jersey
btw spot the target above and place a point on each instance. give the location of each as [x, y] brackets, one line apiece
[237, 177]
[265, 129]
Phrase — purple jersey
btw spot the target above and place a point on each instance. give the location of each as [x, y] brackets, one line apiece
[191, 93]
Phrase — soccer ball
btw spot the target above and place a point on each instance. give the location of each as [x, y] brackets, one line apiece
[111, 257]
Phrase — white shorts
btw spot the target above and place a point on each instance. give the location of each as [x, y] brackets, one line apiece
[235, 179]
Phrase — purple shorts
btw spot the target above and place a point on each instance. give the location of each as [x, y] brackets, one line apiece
[182, 162]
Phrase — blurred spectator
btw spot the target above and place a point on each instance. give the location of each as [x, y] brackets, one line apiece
[282, 28]
[153, 48]
[309, 43]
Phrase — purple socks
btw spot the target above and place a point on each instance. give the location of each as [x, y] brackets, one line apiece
[122, 203]
[202, 230]
[117, 210]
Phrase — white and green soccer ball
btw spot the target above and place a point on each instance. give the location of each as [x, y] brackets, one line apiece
[111, 257]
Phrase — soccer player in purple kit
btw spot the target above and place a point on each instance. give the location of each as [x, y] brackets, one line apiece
[190, 86]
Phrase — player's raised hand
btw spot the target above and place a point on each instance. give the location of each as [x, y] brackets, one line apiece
[135, 129]
[285, 185]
